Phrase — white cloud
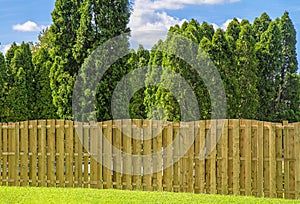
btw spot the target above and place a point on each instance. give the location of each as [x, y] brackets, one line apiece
[4, 48]
[150, 22]
[28, 26]
[225, 25]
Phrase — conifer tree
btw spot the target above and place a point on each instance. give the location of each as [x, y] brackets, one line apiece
[246, 74]
[268, 53]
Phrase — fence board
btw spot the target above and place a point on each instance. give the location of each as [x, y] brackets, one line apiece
[147, 160]
[60, 180]
[100, 156]
[126, 139]
[297, 162]
[69, 153]
[137, 132]
[272, 161]
[51, 153]
[254, 156]
[236, 157]
[167, 157]
[24, 154]
[78, 153]
[86, 149]
[107, 154]
[42, 153]
[279, 160]
[224, 142]
[4, 149]
[157, 156]
[94, 154]
[200, 157]
[33, 152]
[260, 159]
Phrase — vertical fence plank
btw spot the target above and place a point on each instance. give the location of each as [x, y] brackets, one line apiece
[248, 158]
[279, 160]
[236, 158]
[78, 153]
[17, 154]
[272, 161]
[224, 145]
[266, 171]
[297, 165]
[117, 157]
[4, 152]
[137, 131]
[69, 153]
[24, 154]
[147, 160]
[51, 153]
[60, 153]
[100, 155]
[12, 154]
[230, 157]
[167, 158]
[254, 155]
[191, 138]
[213, 157]
[126, 137]
[107, 154]
[242, 148]
[33, 152]
[286, 160]
[86, 148]
[94, 154]
[42, 153]
[176, 157]
[200, 157]
[292, 160]
[207, 155]
[157, 155]
[260, 159]
[184, 164]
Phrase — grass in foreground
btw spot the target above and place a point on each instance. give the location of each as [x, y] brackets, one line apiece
[64, 195]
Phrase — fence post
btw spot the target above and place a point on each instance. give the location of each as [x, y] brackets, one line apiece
[297, 156]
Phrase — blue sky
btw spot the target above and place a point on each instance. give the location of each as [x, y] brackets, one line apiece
[22, 20]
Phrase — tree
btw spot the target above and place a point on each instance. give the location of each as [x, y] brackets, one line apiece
[222, 58]
[21, 91]
[268, 53]
[79, 27]
[287, 96]
[246, 74]
[3, 86]
[260, 25]
[44, 107]
[140, 59]
[63, 72]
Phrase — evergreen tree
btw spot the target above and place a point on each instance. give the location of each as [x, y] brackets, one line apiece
[139, 60]
[20, 98]
[260, 25]
[3, 86]
[222, 57]
[287, 96]
[63, 30]
[268, 53]
[246, 74]
[44, 107]
[79, 27]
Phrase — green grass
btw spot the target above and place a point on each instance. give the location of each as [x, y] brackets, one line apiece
[64, 195]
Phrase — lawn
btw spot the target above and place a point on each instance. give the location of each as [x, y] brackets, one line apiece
[64, 195]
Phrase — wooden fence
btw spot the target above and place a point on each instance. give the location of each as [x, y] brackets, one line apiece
[251, 157]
